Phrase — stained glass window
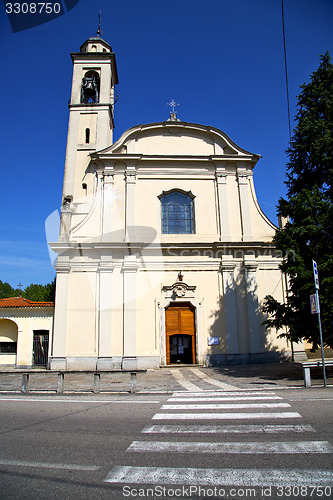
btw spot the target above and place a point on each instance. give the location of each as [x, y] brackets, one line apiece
[177, 213]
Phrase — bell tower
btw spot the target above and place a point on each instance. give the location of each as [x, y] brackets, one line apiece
[91, 108]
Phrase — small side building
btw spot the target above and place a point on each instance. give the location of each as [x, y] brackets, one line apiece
[25, 331]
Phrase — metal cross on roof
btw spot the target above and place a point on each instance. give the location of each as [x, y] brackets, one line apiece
[99, 31]
[172, 104]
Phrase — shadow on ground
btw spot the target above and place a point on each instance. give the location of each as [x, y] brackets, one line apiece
[284, 371]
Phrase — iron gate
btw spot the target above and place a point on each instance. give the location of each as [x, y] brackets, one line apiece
[40, 347]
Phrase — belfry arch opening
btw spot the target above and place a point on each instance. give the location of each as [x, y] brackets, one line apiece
[180, 333]
[90, 88]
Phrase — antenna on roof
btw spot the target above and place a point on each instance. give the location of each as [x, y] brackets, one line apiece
[99, 31]
[20, 286]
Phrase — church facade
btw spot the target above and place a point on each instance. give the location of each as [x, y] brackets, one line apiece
[164, 255]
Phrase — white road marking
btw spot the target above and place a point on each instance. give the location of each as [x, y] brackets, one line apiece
[26, 399]
[225, 429]
[211, 380]
[223, 416]
[231, 447]
[219, 477]
[179, 376]
[224, 406]
[36, 465]
[311, 399]
[226, 398]
[180, 394]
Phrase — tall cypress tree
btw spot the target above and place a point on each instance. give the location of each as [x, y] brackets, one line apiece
[308, 234]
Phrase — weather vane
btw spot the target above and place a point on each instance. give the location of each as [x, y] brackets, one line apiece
[99, 31]
[173, 113]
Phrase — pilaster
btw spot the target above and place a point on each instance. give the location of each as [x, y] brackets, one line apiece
[105, 313]
[244, 202]
[130, 180]
[107, 203]
[223, 215]
[130, 268]
[65, 221]
[58, 358]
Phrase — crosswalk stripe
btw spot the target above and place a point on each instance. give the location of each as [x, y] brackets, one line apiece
[223, 416]
[224, 406]
[219, 477]
[180, 394]
[225, 398]
[43, 465]
[229, 400]
[225, 429]
[231, 447]
[212, 381]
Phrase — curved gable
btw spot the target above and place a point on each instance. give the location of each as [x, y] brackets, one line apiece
[175, 139]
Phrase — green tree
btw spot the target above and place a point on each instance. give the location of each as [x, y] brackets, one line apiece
[308, 234]
[35, 292]
[50, 291]
[6, 290]
[40, 293]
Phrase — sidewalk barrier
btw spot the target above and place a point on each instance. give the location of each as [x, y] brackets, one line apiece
[61, 377]
[307, 367]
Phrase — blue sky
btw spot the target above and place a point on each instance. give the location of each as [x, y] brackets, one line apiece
[222, 61]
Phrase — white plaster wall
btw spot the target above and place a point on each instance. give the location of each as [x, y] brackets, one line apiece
[148, 339]
[171, 141]
[87, 120]
[81, 326]
[263, 229]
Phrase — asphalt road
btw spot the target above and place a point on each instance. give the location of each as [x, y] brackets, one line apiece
[228, 444]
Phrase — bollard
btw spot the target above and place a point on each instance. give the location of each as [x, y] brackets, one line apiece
[60, 383]
[133, 382]
[97, 383]
[307, 377]
[25, 381]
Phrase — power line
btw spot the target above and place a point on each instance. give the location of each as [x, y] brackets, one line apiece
[285, 68]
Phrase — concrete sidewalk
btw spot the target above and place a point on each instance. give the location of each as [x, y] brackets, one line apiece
[175, 378]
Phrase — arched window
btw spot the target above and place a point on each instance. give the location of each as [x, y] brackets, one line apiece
[177, 212]
[8, 342]
[87, 135]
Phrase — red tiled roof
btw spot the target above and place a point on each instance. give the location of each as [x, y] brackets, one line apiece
[21, 302]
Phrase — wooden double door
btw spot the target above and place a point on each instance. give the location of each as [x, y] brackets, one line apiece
[180, 334]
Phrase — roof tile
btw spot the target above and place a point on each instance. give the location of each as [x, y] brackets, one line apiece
[21, 302]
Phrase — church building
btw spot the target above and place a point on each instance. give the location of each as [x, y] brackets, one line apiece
[164, 255]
